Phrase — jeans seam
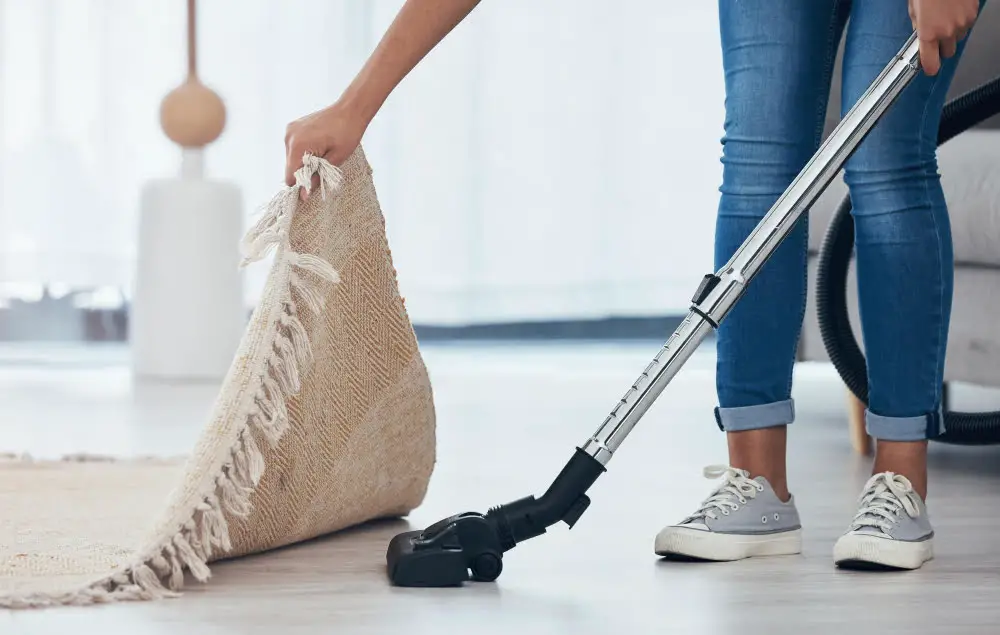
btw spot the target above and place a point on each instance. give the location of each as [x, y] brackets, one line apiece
[937, 352]
[832, 40]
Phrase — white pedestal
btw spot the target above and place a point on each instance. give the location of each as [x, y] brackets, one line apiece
[187, 316]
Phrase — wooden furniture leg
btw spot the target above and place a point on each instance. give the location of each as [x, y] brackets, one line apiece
[860, 441]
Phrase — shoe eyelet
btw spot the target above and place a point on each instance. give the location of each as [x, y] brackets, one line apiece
[776, 517]
[725, 512]
[743, 501]
[763, 519]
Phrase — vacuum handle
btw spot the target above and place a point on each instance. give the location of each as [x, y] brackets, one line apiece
[719, 292]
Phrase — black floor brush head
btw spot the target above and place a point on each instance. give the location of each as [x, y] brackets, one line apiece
[449, 552]
[430, 566]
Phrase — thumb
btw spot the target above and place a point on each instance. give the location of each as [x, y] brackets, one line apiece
[293, 161]
[313, 184]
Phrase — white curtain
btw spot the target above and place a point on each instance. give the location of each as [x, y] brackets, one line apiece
[550, 160]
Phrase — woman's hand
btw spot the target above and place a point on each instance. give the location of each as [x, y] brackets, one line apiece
[335, 132]
[940, 26]
[332, 133]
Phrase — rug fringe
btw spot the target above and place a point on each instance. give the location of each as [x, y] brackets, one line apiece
[206, 532]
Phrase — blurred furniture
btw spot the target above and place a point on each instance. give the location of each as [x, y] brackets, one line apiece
[187, 316]
[970, 174]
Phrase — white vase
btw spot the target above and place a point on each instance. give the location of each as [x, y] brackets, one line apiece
[188, 315]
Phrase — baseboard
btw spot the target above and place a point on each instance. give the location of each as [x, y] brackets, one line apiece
[51, 323]
[618, 328]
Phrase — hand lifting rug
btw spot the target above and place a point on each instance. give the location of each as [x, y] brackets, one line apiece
[325, 420]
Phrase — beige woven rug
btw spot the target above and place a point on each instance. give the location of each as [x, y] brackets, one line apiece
[325, 420]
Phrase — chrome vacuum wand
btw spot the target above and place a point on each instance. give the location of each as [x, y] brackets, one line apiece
[719, 292]
[445, 553]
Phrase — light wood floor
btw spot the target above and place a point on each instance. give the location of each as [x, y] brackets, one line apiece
[509, 418]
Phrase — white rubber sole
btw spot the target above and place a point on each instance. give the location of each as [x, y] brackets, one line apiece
[708, 545]
[859, 551]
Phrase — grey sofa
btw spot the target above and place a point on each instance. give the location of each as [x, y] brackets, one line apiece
[970, 173]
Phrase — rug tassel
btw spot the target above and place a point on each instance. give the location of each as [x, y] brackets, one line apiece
[160, 565]
[309, 295]
[194, 539]
[290, 367]
[240, 463]
[288, 349]
[263, 404]
[215, 522]
[176, 580]
[269, 230]
[234, 497]
[330, 176]
[314, 264]
[205, 534]
[255, 460]
[283, 344]
[285, 350]
[146, 579]
[269, 430]
[277, 426]
[274, 395]
[189, 558]
[261, 247]
[284, 374]
[297, 333]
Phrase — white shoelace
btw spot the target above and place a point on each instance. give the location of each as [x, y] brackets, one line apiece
[885, 495]
[736, 488]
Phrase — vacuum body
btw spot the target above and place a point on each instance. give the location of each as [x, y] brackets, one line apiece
[470, 546]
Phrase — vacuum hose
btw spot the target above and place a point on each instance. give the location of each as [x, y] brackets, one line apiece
[962, 428]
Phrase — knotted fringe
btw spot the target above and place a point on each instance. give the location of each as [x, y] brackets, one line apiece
[161, 573]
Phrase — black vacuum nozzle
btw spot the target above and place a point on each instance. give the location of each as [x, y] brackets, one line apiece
[470, 546]
[447, 553]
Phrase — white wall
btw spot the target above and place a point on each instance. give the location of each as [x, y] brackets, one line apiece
[555, 159]
[552, 159]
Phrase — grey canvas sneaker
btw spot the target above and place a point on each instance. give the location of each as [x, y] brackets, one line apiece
[742, 518]
[891, 529]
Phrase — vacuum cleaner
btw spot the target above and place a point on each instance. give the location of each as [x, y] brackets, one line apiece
[470, 546]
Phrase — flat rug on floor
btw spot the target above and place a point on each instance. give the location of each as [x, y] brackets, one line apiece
[325, 420]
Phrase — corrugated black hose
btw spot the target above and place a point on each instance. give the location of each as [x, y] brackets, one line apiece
[962, 428]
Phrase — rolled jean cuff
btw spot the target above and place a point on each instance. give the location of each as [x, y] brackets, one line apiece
[919, 428]
[766, 415]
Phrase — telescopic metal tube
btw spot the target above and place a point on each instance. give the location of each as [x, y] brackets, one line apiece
[719, 292]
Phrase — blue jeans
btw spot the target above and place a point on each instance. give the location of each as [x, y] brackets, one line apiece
[778, 57]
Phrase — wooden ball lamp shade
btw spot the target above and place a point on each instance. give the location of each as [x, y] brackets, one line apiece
[192, 115]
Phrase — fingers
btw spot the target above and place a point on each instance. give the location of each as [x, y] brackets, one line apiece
[293, 162]
[971, 13]
[314, 183]
[294, 154]
[291, 165]
[941, 25]
[289, 179]
[948, 47]
[299, 141]
[930, 56]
